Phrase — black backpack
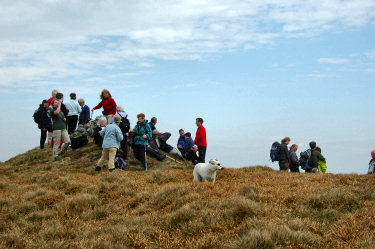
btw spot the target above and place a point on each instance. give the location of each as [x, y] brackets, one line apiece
[275, 151]
[125, 124]
[36, 116]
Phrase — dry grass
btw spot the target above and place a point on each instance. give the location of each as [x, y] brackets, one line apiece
[44, 204]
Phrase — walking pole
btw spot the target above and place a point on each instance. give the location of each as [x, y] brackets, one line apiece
[146, 156]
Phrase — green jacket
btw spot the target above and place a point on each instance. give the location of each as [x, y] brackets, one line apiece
[322, 167]
[139, 131]
[58, 122]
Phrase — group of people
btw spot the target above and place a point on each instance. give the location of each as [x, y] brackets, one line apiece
[60, 119]
[311, 160]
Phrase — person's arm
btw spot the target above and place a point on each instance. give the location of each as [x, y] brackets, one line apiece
[321, 157]
[120, 136]
[58, 109]
[98, 106]
[102, 132]
[78, 108]
[114, 106]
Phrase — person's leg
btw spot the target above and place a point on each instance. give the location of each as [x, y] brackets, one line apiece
[66, 138]
[124, 146]
[111, 158]
[56, 139]
[75, 121]
[43, 137]
[202, 154]
[69, 124]
[109, 118]
[283, 165]
[136, 151]
[165, 136]
[105, 156]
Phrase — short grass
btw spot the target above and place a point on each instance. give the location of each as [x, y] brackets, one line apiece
[44, 204]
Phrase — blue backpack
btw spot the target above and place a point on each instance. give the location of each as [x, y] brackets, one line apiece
[275, 151]
[120, 163]
[304, 158]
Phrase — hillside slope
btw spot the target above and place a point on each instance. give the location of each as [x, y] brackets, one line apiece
[46, 204]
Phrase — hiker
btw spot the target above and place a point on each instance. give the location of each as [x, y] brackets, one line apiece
[108, 104]
[74, 110]
[141, 134]
[64, 109]
[284, 154]
[44, 122]
[191, 155]
[322, 167]
[201, 140]
[189, 143]
[316, 156]
[124, 143]
[59, 129]
[98, 139]
[112, 136]
[84, 116]
[371, 165]
[181, 141]
[294, 162]
[54, 92]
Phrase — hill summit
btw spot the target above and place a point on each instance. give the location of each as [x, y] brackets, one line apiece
[46, 204]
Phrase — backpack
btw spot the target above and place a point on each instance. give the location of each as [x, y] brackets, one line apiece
[36, 116]
[78, 141]
[304, 158]
[275, 151]
[120, 163]
[125, 124]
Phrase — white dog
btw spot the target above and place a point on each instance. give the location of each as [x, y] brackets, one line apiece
[206, 172]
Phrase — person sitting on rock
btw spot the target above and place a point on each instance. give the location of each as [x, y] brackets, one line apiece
[98, 139]
[181, 141]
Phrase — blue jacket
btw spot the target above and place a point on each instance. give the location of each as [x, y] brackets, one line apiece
[181, 141]
[139, 131]
[112, 136]
[188, 145]
[84, 116]
[74, 107]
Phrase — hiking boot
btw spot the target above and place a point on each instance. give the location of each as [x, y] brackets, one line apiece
[98, 168]
[110, 170]
[42, 147]
[57, 159]
[61, 153]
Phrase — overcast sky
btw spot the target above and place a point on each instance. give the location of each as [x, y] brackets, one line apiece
[256, 71]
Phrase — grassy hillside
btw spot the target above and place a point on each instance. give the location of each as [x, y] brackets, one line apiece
[46, 204]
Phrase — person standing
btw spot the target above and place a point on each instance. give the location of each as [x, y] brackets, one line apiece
[112, 136]
[313, 164]
[84, 116]
[74, 111]
[64, 109]
[44, 122]
[108, 104]
[142, 134]
[59, 129]
[371, 165]
[98, 139]
[201, 140]
[284, 158]
[124, 143]
[294, 162]
[54, 92]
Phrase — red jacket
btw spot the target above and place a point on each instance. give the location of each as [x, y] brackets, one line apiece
[200, 137]
[109, 106]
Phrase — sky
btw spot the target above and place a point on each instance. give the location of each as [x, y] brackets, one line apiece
[255, 71]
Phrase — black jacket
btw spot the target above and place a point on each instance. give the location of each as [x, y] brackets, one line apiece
[315, 157]
[284, 153]
[44, 120]
[64, 110]
[98, 139]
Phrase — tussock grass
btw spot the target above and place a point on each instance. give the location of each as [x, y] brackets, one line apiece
[44, 204]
